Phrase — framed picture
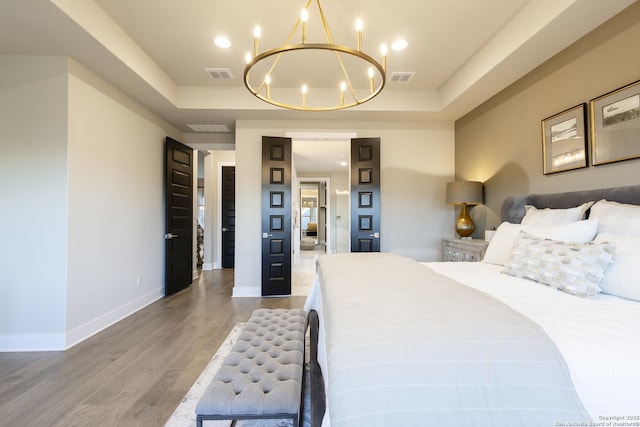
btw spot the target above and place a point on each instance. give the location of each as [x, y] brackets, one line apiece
[564, 143]
[615, 125]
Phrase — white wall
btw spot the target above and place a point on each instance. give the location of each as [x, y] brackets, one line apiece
[84, 214]
[116, 206]
[33, 205]
[340, 239]
[416, 161]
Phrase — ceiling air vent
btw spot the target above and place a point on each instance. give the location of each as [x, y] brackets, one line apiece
[209, 128]
[219, 73]
[401, 76]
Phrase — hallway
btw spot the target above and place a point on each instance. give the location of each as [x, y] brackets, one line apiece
[303, 271]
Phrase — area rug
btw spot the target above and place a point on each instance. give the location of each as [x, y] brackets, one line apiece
[184, 415]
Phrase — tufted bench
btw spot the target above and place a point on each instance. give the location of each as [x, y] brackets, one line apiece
[262, 375]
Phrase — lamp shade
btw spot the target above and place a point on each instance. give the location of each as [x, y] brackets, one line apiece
[459, 192]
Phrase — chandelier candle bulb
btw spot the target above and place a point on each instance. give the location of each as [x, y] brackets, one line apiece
[359, 31]
[267, 82]
[383, 51]
[256, 36]
[304, 95]
[304, 17]
[343, 87]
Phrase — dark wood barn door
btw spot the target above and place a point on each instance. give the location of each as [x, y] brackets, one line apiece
[228, 216]
[179, 244]
[276, 216]
[365, 195]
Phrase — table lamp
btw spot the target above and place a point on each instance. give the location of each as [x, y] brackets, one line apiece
[464, 193]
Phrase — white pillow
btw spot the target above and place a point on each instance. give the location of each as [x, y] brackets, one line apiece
[620, 278]
[500, 246]
[616, 218]
[575, 268]
[548, 216]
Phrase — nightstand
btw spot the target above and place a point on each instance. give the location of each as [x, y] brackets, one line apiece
[454, 250]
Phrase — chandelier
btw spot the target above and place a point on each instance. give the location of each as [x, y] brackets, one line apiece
[356, 76]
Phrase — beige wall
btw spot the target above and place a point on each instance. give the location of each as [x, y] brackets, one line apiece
[500, 143]
[82, 204]
[115, 205]
[33, 165]
[416, 162]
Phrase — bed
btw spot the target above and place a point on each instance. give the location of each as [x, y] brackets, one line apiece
[524, 337]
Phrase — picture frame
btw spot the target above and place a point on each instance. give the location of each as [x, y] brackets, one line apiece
[615, 125]
[564, 140]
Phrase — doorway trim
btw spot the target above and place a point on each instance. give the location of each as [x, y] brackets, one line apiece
[298, 210]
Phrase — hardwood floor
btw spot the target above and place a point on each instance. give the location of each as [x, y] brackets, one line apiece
[134, 373]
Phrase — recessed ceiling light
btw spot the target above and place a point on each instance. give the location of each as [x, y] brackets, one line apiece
[222, 42]
[399, 45]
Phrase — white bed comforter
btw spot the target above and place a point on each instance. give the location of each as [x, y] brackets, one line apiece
[599, 339]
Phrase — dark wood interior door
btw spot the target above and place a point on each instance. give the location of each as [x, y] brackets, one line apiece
[276, 216]
[365, 195]
[179, 243]
[228, 216]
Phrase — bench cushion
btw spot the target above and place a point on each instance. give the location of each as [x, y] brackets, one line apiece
[262, 375]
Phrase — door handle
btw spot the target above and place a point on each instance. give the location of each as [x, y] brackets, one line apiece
[225, 229]
[375, 235]
[170, 236]
[266, 235]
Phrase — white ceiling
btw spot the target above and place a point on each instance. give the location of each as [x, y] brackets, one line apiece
[320, 156]
[156, 51]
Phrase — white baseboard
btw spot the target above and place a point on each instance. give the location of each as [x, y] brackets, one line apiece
[64, 341]
[211, 266]
[245, 291]
[31, 342]
[100, 323]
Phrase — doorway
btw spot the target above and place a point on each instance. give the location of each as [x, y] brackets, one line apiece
[321, 166]
[313, 214]
[311, 237]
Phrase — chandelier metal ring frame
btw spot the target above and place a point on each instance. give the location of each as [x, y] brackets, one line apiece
[315, 46]
[330, 46]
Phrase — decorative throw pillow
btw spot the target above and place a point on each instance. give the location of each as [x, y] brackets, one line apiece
[616, 218]
[620, 278]
[574, 268]
[548, 216]
[500, 246]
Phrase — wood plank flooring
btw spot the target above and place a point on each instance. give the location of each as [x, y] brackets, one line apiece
[134, 373]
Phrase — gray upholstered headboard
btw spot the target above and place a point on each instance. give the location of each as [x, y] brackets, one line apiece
[512, 209]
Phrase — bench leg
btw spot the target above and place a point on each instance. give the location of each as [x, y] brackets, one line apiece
[318, 401]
